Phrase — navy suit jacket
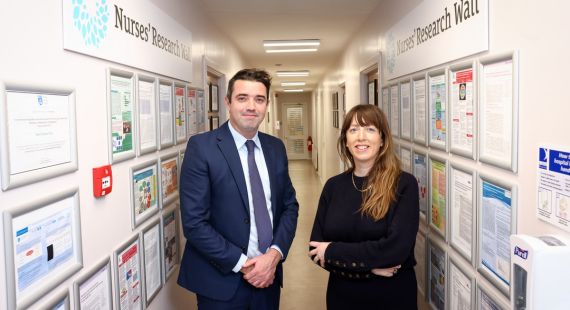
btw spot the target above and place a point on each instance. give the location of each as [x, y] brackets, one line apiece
[215, 210]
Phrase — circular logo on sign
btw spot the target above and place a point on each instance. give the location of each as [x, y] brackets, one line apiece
[91, 25]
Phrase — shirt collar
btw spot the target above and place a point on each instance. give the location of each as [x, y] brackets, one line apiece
[240, 140]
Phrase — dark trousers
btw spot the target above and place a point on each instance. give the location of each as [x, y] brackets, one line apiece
[246, 297]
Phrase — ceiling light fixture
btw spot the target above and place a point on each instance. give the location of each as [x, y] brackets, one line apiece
[293, 84]
[293, 73]
[291, 50]
[293, 90]
[291, 46]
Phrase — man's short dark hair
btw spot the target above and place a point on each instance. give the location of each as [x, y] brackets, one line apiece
[251, 74]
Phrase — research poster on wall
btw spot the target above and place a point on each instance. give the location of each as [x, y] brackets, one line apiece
[495, 222]
[170, 242]
[94, 293]
[436, 277]
[553, 204]
[121, 114]
[462, 111]
[420, 172]
[438, 195]
[406, 110]
[180, 114]
[419, 111]
[438, 111]
[169, 178]
[488, 303]
[191, 113]
[152, 261]
[129, 282]
[461, 211]
[147, 116]
[406, 158]
[460, 297]
[145, 190]
[166, 115]
[395, 110]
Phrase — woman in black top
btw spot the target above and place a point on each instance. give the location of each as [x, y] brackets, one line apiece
[367, 220]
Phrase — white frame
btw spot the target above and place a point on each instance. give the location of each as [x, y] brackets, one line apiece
[422, 290]
[423, 216]
[175, 110]
[432, 157]
[510, 163]
[385, 105]
[121, 156]
[86, 276]
[441, 145]
[170, 198]
[10, 180]
[409, 127]
[190, 114]
[162, 145]
[452, 168]
[485, 271]
[395, 130]
[52, 279]
[496, 298]
[148, 299]
[415, 138]
[174, 209]
[116, 288]
[201, 111]
[214, 104]
[453, 147]
[467, 272]
[434, 243]
[140, 149]
[61, 296]
[150, 212]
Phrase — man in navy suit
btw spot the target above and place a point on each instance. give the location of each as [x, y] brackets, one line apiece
[228, 260]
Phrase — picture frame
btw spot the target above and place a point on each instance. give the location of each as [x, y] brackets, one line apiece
[152, 259]
[499, 72]
[419, 110]
[181, 154]
[214, 103]
[395, 109]
[170, 226]
[127, 274]
[406, 159]
[54, 221]
[146, 120]
[373, 92]
[438, 128]
[215, 122]
[436, 274]
[406, 110]
[463, 209]
[420, 171]
[191, 112]
[460, 285]
[144, 189]
[463, 109]
[166, 114]
[335, 118]
[487, 298]
[121, 115]
[496, 201]
[96, 283]
[201, 111]
[420, 253]
[59, 301]
[180, 121]
[169, 178]
[48, 146]
[438, 205]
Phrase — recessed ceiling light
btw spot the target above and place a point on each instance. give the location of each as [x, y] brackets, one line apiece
[293, 90]
[293, 84]
[290, 43]
[293, 73]
[291, 50]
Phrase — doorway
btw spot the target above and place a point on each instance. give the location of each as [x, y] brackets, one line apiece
[295, 131]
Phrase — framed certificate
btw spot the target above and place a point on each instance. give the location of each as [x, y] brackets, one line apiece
[419, 111]
[213, 98]
[171, 240]
[462, 208]
[405, 110]
[180, 112]
[461, 285]
[437, 277]
[144, 192]
[395, 110]
[496, 221]
[201, 111]
[146, 111]
[166, 114]
[487, 299]
[462, 110]
[152, 261]
[373, 92]
[168, 178]
[438, 194]
[420, 253]
[420, 171]
[59, 301]
[120, 114]
[42, 246]
[191, 112]
[38, 135]
[406, 159]
[93, 288]
[437, 95]
[498, 111]
[127, 273]
[386, 102]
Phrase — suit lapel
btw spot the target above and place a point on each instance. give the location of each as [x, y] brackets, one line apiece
[228, 148]
[270, 161]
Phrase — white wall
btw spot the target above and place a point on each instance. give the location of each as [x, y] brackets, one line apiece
[32, 53]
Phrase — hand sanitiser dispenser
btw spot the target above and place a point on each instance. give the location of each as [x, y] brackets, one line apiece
[540, 267]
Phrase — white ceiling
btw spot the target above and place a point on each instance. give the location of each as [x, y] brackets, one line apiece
[248, 22]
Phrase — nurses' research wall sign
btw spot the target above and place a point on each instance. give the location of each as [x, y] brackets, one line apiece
[436, 32]
[130, 32]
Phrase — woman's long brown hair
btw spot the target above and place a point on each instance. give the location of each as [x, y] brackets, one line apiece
[383, 177]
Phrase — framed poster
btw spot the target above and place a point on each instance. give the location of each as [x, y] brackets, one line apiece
[166, 115]
[214, 98]
[420, 254]
[462, 110]
[171, 240]
[127, 273]
[395, 110]
[496, 221]
[462, 208]
[151, 261]
[42, 246]
[180, 112]
[373, 92]
[498, 111]
[59, 301]
[181, 153]
[438, 194]
[420, 171]
[437, 278]
[437, 94]
[200, 111]
[146, 111]
[144, 191]
[487, 299]
[461, 285]
[405, 111]
[191, 113]
[419, 112]
[93, 288]
[120, 115]
[38, 133]
[168, 178]
[215, 122]
[406, 159]
[386, 102]
[335, 120]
